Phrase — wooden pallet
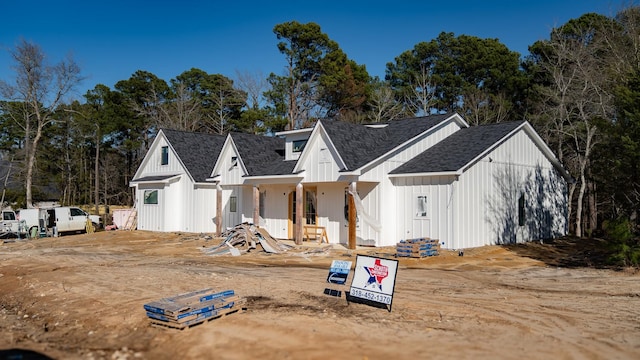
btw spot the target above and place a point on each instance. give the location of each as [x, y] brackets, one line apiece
[217, 314]
[183, 303]
[418, 248]
[417, 254]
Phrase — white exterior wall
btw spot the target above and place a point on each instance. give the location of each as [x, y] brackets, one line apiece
[387, 205]
[320, 165]
[150, 216]
[276, 207]
[231, 218]
[202, 209]
[437, 222]
[481, 206]
[162, 217]
[486, 197]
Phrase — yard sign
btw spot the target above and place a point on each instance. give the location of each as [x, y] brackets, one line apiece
[338, 274]
[374, 280]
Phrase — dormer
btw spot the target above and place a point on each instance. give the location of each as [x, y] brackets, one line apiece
[295, 141]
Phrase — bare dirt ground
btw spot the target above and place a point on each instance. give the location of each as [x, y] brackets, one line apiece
[81, 297]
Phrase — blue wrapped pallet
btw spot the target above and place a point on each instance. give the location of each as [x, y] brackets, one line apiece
[417, 248]
[185, 310]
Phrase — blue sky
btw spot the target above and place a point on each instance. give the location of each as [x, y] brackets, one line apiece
[112, 39]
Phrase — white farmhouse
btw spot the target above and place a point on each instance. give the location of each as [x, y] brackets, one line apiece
[429, 176]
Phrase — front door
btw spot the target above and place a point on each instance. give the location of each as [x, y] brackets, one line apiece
[310, 215]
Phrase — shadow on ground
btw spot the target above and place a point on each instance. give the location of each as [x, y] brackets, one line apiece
[569, 252]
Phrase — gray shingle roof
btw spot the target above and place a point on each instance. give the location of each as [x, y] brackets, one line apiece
[458, 149]
[198, 151]
[359, 145]
[262, 155]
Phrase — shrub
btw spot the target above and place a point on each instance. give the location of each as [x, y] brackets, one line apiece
[625, 246]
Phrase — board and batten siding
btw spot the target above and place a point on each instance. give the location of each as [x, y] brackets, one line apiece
[276, 208]
[201, 212]
[387, 205]
[159, 217]
[436, 223]
[153, 165]
[150, 216]
[486, 197]
[320, 165]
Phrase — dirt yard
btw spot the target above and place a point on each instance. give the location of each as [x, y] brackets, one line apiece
[82, 296]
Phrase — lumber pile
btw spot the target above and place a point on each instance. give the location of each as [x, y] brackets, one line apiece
[245, 237]
[417, 248]
[193, 308]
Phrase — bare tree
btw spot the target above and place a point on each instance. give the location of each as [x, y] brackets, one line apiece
[578, 97]
[40, 88]
[481, 107]
[254, 85]
[423, 96]
[383, 104]
[183, 112]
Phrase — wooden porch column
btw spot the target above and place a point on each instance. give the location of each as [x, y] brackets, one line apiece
[352, 216]
[256, 205]
[218, 210]
[299, 218]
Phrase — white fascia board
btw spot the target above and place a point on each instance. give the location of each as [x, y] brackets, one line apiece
[440, 173]
[169, 180]
[239, 158]
[454, 117]
[317, 131]
[149, 153]
[546, 150]
[215, 172]
[228, 143]
[274, 179]
[291, 132]
[491, 148]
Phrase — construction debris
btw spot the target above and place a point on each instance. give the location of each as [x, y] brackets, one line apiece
[417, 248]
[245, 237]
[190, 309]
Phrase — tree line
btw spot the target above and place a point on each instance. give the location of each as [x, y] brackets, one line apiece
[580, 88]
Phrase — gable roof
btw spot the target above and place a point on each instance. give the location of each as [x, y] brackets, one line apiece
[358, 145]
[262, 155]
[458, 149]
[197, 151]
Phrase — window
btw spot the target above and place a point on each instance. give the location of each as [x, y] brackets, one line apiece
[421, 206]
[151, 196]
[165, 156]
[298, 145]
[8, 216]
[262, 197]
[233, 204]
[521, 210]
[77, 212]
[234, 162]
[310, 207]
[324, 155]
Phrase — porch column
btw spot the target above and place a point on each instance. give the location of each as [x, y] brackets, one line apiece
[218, 216]
[256, 205]
[299, 218]
[352, 216]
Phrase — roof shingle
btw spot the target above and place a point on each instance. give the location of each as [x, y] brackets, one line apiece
[458, 149]
[197, 151]
[359, 145]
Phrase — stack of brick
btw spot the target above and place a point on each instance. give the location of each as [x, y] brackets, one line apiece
[189, 309]
[417, 248]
